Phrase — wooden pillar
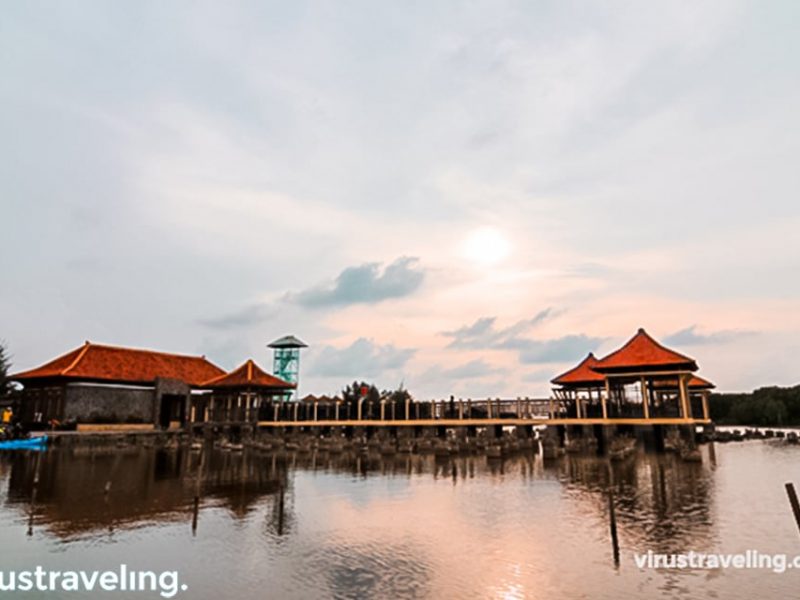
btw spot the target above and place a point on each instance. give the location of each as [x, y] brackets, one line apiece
[315, 409]
[645, 398]
[296, 408]
[336, 411]
[604, 399]
[705, 406]
[488, 408]
[360, 401]
[460, 408]
[685, 409]
[408, 408]
[383, 410]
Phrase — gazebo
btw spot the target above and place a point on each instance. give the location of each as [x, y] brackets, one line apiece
[238, 395]
[580, 389]
[645, 379]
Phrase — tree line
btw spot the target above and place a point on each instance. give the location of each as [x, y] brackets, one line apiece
[768, 406]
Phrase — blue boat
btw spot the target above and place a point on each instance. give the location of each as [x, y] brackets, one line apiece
[34, 443]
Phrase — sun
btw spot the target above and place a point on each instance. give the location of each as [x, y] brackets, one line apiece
[486, 246]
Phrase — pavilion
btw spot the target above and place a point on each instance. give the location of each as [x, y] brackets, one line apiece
[581, 389]
[642, 379]
[239, 395]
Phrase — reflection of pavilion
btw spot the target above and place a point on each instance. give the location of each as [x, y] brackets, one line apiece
[145, 486]
[662, 503]
[642, 379]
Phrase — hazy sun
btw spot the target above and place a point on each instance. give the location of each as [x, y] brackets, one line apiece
[486, 246]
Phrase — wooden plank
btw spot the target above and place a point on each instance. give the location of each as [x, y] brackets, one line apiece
[115, 427]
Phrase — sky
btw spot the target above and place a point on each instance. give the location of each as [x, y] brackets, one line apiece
[458, 197]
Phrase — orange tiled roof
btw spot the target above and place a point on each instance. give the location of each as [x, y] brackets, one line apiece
[114, 364]
[581, 375]
[248, 375]
[695, 383]
[642, 352]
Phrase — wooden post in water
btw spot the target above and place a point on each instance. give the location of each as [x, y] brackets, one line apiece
[197, 486]
[790, 491]
[34, 488]
[613, 524]
[114, 466]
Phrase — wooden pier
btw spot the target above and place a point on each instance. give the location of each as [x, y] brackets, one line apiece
[511, 422]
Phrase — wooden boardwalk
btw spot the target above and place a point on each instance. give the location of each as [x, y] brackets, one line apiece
[485, 422]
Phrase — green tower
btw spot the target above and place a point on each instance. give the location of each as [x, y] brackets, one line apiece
[286, 360]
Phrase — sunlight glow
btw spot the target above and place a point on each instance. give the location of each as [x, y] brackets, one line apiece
[486, 246]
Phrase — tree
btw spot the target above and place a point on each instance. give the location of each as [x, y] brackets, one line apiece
[5, 366]
[353, 392]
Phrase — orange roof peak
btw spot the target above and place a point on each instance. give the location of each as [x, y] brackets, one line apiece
[248, 375]
[642, 352]
[581, 375]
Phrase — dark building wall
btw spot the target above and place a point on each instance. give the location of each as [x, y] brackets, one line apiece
[39, 404]
[106, 404]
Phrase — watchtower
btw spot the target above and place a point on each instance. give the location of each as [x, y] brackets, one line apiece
[286, 360]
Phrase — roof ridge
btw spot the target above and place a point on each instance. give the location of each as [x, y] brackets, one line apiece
[589, 357]
[148, 350]
[662, 346]
[78, 358]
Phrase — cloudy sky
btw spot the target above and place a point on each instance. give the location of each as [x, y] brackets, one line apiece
[464, 197]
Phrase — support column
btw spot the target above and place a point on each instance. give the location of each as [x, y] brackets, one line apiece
[645, 398]
[604, 399]
[684, 397]
[705, 406]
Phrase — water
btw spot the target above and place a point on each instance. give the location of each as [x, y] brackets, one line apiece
[405, 527]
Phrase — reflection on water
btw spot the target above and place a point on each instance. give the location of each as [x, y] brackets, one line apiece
[351, 525]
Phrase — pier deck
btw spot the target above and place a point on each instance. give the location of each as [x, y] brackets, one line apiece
[510, 422]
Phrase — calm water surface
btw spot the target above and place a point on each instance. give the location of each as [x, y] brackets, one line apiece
[318, 526]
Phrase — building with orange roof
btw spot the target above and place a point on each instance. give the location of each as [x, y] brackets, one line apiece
[239, 396]
[103, 384]
[580, 389]
[641, 379]
[635, 381]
